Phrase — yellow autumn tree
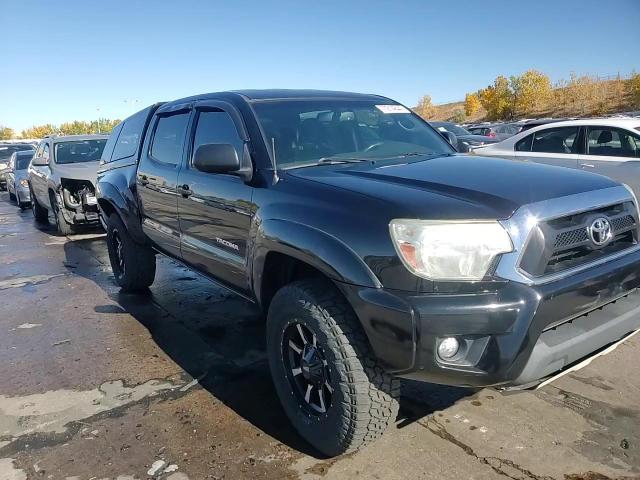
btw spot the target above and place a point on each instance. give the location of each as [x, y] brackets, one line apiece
[634, 87]
[6, 133]
[531, 92]
[471, 104]
[425, 108]
[497, 99]
[39, 131]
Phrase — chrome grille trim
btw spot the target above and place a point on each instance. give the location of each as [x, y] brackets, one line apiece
[524, 221]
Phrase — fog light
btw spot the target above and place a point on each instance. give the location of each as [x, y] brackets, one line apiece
[448, 348]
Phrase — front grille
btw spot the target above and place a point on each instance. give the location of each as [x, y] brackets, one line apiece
[572, 236]
[563, 243]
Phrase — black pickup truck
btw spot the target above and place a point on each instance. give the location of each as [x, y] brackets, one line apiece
[376, 251]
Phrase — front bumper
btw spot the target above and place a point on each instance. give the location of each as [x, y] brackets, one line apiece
[515, 335]
[23, 193]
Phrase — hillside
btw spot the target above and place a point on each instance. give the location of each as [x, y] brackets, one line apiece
[586, 97]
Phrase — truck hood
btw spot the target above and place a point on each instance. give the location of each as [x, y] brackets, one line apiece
[456, 186]
[78, 171]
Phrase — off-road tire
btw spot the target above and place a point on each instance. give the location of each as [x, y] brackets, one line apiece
[364, 400]
[138, 261]
[64, 227]
[40, 214]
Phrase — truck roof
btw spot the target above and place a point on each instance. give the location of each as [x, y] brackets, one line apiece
[279, 94]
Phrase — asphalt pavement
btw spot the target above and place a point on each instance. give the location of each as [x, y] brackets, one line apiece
[174, 384]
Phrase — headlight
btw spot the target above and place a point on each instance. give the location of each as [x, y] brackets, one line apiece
[3, 166]
[443, 250]
[24, 182]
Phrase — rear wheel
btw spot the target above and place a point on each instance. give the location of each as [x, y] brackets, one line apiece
[333, 389]
[133, 265]
[64, 227]
[40, 213]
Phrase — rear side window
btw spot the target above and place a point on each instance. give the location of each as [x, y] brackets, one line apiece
[130, 135]
[556, 140]
[111, 142]
[168, 138]
[524, 145]
[216, 127]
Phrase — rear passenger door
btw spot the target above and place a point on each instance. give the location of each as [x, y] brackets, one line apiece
[215, 209]
[552, 146]
[157, 177]
[614, 152]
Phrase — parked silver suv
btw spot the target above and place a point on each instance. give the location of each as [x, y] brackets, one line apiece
[62, 178]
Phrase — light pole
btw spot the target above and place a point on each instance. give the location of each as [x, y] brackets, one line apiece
[98, 110]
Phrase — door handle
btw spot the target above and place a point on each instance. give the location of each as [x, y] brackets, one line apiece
[144, 181]
[184, 190]
[589, 165]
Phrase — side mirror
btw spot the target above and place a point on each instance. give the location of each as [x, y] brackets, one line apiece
[216, 158]
[451, 138]
[40, 162]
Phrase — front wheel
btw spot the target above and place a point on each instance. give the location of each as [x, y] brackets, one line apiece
[64, 227]
[40, 213]
[133, 265]
[12, 196]
[333, 389]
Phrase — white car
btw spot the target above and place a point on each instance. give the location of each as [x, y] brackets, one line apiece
[609, 146]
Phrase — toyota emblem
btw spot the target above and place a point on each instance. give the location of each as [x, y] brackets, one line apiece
[600, 231]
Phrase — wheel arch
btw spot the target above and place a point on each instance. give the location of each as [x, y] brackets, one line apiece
[285, 251]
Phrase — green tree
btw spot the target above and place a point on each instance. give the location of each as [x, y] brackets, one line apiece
[6, 133]
[458, 116]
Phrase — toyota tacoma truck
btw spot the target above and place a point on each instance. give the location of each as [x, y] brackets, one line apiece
[375, 250]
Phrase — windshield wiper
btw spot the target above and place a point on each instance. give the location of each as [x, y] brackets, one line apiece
[329, 160]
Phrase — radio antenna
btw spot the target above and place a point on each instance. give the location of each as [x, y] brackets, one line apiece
[273, 159]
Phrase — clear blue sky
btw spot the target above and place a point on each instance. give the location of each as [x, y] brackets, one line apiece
[62, 62]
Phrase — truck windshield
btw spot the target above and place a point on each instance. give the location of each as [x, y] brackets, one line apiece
[304, 132]
[79, 151]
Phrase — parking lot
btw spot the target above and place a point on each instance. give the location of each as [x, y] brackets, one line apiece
[175, 384]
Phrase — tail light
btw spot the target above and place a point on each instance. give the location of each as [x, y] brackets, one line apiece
[491, 134]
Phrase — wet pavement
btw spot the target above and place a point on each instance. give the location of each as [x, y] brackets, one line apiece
[174, 384]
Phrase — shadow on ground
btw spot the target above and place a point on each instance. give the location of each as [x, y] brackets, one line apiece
[218, 338]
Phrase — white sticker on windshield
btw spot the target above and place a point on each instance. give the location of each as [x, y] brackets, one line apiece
[392, 109]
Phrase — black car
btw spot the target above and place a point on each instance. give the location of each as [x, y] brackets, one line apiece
[465, 140]
[374, 249]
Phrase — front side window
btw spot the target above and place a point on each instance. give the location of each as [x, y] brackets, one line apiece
[78, 151]
[306, 131]
[216, 127]
[556, 140]
[168, 138]
[612, 142]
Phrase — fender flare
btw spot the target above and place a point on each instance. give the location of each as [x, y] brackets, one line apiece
[321, 250]
[107, 192]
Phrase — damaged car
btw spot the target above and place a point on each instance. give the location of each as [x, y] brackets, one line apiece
[62, 178]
